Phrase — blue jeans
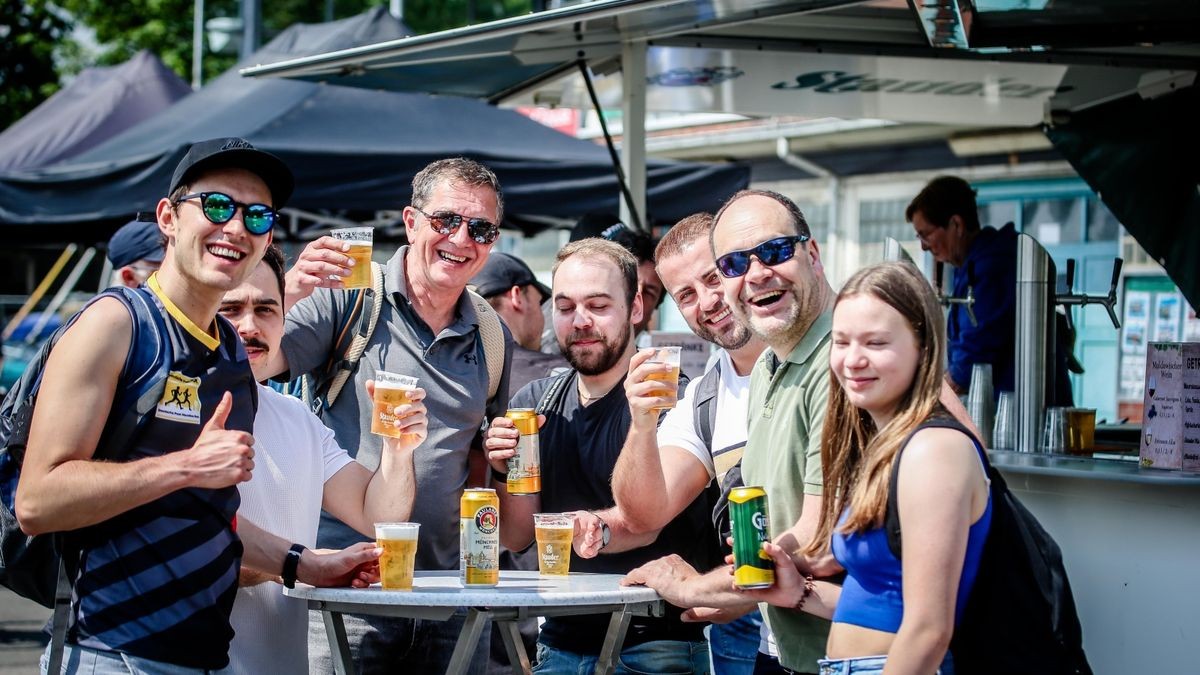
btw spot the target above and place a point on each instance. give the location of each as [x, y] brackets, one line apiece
[869, 665]
[389, 645]
[734, 645]
[662, 657]
[78, 659]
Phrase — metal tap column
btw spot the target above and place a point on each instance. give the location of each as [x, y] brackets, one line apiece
[1034, 285]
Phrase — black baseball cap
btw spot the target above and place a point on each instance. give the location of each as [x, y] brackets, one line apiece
[503, 271]
[136, 240]
[236, 153]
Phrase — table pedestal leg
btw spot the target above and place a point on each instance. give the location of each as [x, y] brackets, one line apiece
[468, 640]
[613, 639]
[338, 644]
[514, 647]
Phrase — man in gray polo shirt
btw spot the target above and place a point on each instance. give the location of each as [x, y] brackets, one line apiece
[428, 328]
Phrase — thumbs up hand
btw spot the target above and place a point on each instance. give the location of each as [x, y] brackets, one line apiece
[221, 457]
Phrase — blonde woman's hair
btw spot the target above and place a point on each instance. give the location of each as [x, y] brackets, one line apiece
[855, 456]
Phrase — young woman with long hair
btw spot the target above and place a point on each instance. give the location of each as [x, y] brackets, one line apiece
[891, 615]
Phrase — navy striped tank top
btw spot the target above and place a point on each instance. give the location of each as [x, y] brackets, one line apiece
[158, 582]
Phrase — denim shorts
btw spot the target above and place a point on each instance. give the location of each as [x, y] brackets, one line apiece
[867, 665]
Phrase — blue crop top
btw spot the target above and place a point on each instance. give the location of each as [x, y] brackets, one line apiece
[872, 595]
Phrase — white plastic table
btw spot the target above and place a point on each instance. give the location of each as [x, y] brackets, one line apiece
[520, 595]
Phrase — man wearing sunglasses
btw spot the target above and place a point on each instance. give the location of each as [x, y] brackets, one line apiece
[159, 542]
[428, 328]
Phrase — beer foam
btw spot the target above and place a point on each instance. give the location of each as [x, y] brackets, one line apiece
[385, 380]
[396, 530]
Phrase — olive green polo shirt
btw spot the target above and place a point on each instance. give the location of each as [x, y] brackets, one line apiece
[783, 455]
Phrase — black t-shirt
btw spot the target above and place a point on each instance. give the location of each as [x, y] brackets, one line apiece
[579, 449]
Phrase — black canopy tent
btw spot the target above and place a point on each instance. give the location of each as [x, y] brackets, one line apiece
[351, 149]
[98, 104]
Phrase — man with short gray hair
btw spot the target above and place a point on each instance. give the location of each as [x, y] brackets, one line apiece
[430, 328]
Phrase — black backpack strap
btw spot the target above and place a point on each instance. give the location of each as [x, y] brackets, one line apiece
[553, 393]
[891, 521]
[705, 409]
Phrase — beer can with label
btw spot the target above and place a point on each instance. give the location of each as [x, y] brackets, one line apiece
[748, 515]
[525, 467]
[479, 537]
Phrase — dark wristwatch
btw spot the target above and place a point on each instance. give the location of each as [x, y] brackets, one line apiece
[291, 563]
[605, 531]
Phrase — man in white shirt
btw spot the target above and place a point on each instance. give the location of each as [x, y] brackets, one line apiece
[663, 467]
[300, 469]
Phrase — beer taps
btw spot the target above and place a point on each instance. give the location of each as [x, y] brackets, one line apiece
[1082, 299]
[947, 300]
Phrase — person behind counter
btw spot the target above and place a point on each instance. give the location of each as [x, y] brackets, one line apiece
[945, 218]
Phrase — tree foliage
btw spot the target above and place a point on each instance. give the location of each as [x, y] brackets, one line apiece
[29, 31]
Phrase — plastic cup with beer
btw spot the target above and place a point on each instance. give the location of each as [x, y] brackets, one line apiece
[668, 356]
[391, 390]
[554, 532]
[1081, 431]
[399, 544]
[360, 240]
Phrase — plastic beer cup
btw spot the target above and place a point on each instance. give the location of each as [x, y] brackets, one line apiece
[669, 356]
[399, 544]
[391, 390]
[361, 240]
[554, 533]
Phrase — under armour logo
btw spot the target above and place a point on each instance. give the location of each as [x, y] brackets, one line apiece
[237, 144]
[471, 358]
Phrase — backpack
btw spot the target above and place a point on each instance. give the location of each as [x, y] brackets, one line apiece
[321, 388]
[705, 418]
[1020, 615]
[39, 567]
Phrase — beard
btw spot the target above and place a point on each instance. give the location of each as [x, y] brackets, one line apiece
[594, 362]
[734, 338]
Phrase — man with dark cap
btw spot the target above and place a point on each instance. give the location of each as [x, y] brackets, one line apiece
[135, 251]
[511, 288]
[157, 535]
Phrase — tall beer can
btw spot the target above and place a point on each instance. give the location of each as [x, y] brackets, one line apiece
[525, 467]
[479, 537]
[748, 515]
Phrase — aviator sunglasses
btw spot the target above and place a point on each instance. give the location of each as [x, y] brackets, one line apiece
[446, 222]
[219, 208]
[770, 253]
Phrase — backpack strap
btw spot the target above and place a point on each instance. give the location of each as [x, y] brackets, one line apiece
[553, 393]
[492, 334]
[891, 520]
[369, 305]
[61, 619]
[705, 409]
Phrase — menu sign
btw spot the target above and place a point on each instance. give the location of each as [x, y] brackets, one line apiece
[1171, 413]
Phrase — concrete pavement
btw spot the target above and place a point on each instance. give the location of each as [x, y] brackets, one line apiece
[21, 636]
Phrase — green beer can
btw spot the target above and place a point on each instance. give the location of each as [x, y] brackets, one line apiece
[748, 515]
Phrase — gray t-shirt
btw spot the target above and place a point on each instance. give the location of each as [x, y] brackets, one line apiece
[449, 366]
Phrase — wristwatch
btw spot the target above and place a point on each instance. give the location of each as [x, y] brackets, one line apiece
[605, 530]
[291, 563]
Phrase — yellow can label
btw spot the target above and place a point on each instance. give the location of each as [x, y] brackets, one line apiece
[479, 530]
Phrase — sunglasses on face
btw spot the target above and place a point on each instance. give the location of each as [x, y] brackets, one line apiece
[446, 222]
[219, 208]
[770, 253]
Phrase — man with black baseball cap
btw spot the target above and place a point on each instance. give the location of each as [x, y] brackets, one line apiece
[511, 288]
[163, 516]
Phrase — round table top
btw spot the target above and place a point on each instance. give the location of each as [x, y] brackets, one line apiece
[517, 588]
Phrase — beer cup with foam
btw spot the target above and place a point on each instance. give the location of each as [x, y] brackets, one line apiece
[668, 356]
[399, 544]
[361, 240]
[391, 390]
[554, 532]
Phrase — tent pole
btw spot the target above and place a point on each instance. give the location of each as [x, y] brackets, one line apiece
[635, 215]
[38, 292]
[633, 123]
[60, 297]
